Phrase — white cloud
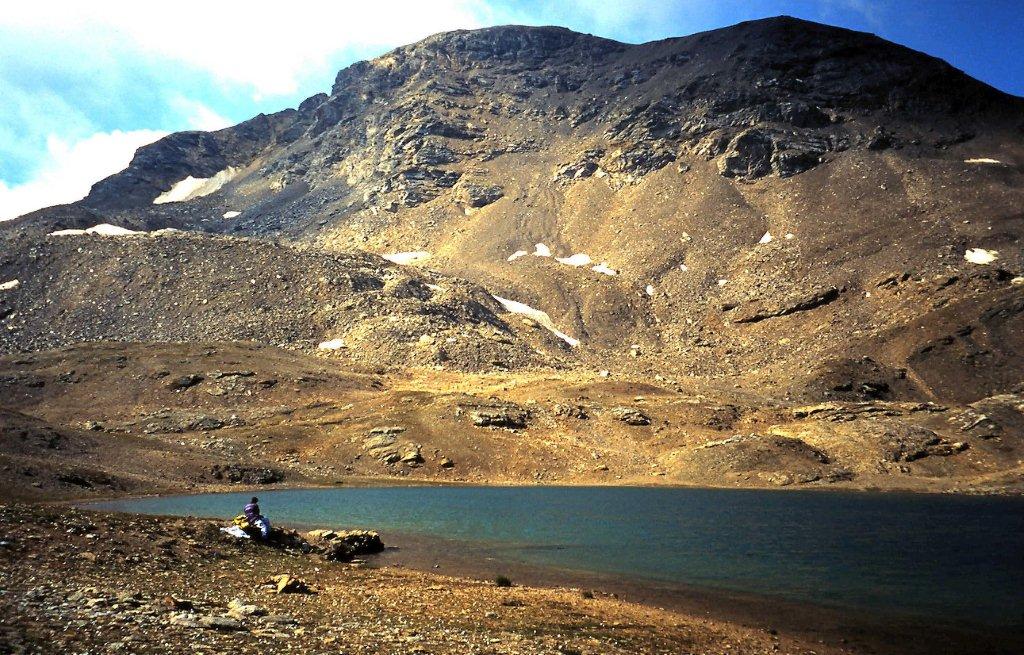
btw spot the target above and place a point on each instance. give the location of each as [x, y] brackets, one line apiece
[257, 43]
[71, 168]
[198, 115]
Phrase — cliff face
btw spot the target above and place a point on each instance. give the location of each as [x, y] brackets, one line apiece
[779, 201]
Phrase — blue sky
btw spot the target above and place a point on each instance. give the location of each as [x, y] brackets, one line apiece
[83, 84]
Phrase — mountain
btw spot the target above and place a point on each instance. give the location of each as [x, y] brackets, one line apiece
[797, 211]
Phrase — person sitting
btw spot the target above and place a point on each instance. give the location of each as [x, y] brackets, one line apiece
[256, 519]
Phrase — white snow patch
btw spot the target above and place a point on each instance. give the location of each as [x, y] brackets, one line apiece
[540, 250]
[103, 230]
[649, 290]
[722, 282]
[108, 230]
[579, 259]
[983, 160]
[605, 269]
[981, 256]
[232, 214]
[404, 258]
[767, 238]
[684, 268]
[435, 287]
[537, 315]
[196, 187]
[11, 284]
[517, 254]
[333, 344]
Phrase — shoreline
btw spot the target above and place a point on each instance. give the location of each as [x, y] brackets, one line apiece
[357, 482]
[417, 574]
[839, 626]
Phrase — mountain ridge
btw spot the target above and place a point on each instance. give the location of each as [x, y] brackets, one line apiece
[760, 219]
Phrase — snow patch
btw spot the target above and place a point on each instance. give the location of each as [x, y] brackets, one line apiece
[108, 230]
[405, 258]
[981, 256]
[11, 284]
[103, 230]
[196, 187]
[517, 254]
[604, 269]
[540, 250]
[722, 282]
[983, 160]
[579, 259]
[649, 290]
[232, 214]
[684, 268]
[767, 238]
[537, 315]
[435, 287]
[333, 344]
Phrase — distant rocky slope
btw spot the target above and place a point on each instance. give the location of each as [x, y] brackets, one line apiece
[782, 203]
[181, 287]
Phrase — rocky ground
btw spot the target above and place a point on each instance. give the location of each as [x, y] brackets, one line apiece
[105, 419]
[88, 582]
[184, 287]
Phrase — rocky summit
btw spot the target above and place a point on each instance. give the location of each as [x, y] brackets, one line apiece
[777, 253]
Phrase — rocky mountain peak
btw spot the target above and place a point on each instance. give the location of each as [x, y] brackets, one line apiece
[683, 196]
[512, 42]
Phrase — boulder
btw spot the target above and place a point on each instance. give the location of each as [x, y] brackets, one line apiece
[184, 620]
[239, 610]
[185, 381]
[286, 584]
[500, 418]
[225, 623]
[630, 416]
[290, 539]
[572, 411]
[410, 454]
[748, 156]
[180, 605]
[343, 546]
[479, 195]
[754, 153]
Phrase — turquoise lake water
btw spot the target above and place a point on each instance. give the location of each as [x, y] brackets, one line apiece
[951, 557]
